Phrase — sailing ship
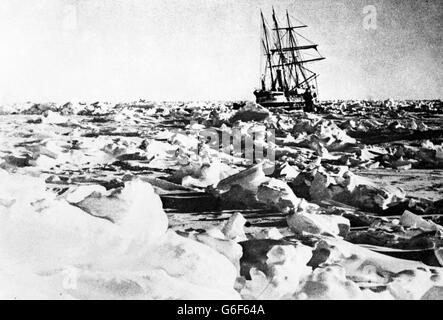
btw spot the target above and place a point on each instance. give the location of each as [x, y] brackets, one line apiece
[286, 80]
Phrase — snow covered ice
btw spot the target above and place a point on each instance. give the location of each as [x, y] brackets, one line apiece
[134, 201]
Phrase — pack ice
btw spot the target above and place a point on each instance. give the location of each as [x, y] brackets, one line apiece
[93, 244]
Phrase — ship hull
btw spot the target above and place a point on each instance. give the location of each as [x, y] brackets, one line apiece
[278, 99]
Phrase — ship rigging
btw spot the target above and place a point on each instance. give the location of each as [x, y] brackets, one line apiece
[286, 80]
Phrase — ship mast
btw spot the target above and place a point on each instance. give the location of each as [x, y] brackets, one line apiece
[293, 44]
[268, 52]
[282, 55]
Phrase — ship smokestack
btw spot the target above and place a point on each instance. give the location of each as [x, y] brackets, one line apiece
[279, 79]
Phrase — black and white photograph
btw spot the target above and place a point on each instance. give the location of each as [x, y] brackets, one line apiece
[221, 150]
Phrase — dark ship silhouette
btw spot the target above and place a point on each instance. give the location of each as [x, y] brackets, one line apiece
[286, 81]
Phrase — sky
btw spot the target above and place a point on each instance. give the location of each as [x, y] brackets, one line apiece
[120, 50]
